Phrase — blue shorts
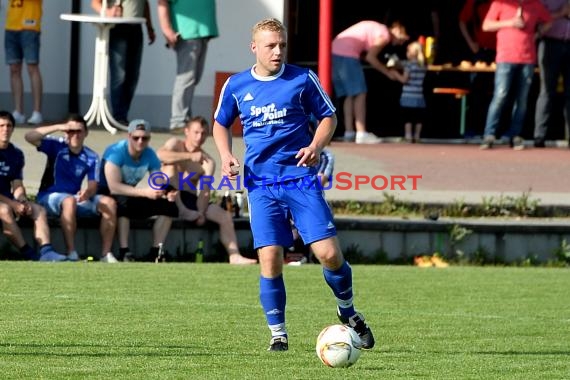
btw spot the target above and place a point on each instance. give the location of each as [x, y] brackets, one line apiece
[347, 76]
[22, 45]
[272, 206]
[52, 203]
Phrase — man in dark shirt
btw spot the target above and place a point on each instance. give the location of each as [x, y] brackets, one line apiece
[13, 201]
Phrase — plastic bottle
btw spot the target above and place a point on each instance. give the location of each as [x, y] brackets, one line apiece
[422, 41]
[228, 202]
[430, 50]
[238, 207]
[200, 252]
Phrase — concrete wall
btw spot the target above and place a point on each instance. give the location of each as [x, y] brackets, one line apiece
[397, 240]
[229, 52]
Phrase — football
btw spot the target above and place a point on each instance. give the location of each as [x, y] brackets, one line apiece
[337, 346]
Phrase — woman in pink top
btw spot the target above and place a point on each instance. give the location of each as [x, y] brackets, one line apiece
[367, 39]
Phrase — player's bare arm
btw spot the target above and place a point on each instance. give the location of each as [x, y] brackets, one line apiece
[87, 192]
[309, 156]
[116, 185]
[223, 140]
[174, 152]
[36, 135]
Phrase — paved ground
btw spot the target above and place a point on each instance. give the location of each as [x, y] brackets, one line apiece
[449, 172]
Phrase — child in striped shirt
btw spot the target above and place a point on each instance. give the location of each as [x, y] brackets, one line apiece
[412, 101]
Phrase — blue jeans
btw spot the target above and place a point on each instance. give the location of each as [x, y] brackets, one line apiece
[20, 45]
[125, 53]
[512, 81]
[553, 60]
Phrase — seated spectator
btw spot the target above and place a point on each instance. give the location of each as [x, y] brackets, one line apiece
[124, 164]
[69, 162]
[188, 158]
[325, 169]
[14, 203]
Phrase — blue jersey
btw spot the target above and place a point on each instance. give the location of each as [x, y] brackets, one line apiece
[65, 170]
[11, 168]
[131, 171]
[275, 113]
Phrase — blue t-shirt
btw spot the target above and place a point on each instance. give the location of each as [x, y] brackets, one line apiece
[275, 113]
[131, 171]
[65, 170]
[11, 168]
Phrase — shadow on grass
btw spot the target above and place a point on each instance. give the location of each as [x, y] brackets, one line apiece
[123, 350]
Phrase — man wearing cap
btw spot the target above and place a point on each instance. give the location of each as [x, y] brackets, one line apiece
[124, 164]
[69, 162]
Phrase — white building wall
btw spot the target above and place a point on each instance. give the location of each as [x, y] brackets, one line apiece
[229, 52]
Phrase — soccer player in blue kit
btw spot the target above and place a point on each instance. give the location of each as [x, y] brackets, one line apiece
[275, 101]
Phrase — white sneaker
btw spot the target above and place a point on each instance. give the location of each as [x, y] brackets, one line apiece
[109, 258]
[19, 117]
[367, 138]
[36, 118]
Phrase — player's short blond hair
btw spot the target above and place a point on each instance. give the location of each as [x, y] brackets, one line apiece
[270, 24]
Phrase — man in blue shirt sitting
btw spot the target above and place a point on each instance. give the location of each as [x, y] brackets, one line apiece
[69, 162]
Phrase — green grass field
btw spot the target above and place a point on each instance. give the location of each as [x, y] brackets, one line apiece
[203, 321]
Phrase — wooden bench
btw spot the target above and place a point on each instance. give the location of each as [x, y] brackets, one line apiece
[459, 93]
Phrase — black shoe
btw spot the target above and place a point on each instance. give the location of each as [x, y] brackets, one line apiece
[358, 324]
[278, 343]
[129, 257]
[539, 143]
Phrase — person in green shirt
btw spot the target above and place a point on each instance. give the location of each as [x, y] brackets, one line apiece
[187, 26]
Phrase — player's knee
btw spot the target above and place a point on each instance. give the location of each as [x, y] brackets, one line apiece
[6, 213]
[329, 256]
[107, 207]
[69, 204]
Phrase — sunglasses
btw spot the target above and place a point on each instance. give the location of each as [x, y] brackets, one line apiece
[141, 138]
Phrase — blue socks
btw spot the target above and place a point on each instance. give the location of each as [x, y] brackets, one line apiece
[340, 281]
[273, 298]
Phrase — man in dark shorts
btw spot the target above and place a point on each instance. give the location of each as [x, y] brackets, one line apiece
[187, 157]
[14, 202]
[124, 164]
